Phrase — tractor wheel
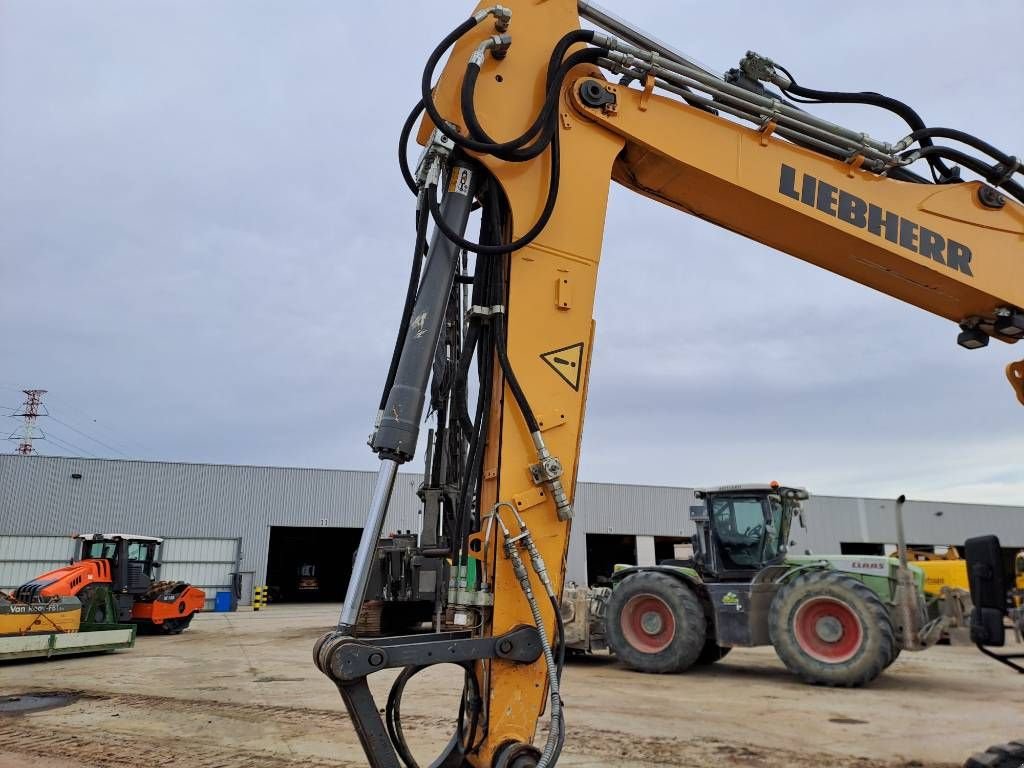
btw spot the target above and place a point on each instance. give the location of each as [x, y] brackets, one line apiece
[896, 649]
[655, 623]
[1000, 756]
[711, 652]
[829, 629]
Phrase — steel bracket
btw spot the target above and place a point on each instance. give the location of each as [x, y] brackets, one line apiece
[348, 661]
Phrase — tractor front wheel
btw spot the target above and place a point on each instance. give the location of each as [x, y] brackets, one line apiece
[830, 629]
[655, 623]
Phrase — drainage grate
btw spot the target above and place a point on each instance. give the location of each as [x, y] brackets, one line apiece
[21, 703]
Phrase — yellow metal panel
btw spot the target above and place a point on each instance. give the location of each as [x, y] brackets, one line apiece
[943, 573]
[733, 176]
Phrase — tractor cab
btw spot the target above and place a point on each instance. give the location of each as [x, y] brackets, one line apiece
[131, 558]
[742, 529]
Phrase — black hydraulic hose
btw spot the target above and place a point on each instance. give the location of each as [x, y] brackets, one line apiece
[560, 624]
[547, 117]
[496, 250]
[460, 387]
[475, 703]
[510, 377]
[393, 715]
[553, 80]
[403, 142]
[410, 295]
[426, 88]
[905, 111]
[990, 173]
[964, 138]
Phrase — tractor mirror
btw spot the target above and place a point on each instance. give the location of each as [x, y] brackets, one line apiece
[698, 512]
[988, 589]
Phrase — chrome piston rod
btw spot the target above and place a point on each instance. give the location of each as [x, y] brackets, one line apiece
[368, 543]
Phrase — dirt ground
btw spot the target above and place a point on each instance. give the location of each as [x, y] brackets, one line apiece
[240, 690]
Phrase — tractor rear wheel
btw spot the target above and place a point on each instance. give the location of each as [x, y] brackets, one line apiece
[655, 623]
[830, 629]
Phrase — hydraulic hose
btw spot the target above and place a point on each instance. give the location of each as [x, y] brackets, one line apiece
[905, 111]
[510, 377]
[506, 150]
[990, 173]
[393, 715]
[964, 138]
[403, 142]
[496, 250]
[410, 294]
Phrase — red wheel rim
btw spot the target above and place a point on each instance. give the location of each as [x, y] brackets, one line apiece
[647, 623]
[828, 630]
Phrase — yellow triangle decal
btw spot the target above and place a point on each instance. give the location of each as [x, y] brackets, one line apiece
[567, 362]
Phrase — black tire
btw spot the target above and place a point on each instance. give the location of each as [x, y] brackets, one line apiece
[174, 626]
[1000, 756]
[711, 652]
[816, 607]
[896, 650]
[672, 640]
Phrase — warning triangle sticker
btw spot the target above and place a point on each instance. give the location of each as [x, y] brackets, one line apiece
[567, 362]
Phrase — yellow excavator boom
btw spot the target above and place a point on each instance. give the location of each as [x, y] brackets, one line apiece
[725, 150]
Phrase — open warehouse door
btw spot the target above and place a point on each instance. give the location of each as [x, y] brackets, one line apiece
[310, 564]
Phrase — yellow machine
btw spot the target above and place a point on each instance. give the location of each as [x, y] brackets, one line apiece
[948, 570]
[525, 123]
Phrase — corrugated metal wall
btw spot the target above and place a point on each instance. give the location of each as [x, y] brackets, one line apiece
[22, 558]
[39, 496]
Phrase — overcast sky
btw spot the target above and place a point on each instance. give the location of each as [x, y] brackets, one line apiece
[204, 240]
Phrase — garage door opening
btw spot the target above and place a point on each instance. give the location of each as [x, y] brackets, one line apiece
[604, 551]
[310, 565]
[672, 548]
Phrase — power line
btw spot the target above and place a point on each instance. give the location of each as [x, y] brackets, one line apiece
[111, 434]
[88, 437]
[67, 445]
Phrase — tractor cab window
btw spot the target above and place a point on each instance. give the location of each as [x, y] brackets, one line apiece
[99, 550]
[739, 529]
[138, 550]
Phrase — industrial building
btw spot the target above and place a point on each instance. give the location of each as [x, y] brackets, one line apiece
[228, 526]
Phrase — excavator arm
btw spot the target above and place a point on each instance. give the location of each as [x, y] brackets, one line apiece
[524, 122]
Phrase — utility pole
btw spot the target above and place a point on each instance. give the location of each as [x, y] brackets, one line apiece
[30, 411]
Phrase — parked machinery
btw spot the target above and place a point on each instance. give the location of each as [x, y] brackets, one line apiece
[832, 619]
[114, 577]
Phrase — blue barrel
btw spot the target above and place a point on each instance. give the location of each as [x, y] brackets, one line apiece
[222, 602]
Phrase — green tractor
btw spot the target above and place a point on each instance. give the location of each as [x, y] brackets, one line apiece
[833, 619]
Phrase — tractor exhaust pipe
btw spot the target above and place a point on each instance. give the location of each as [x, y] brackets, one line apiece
[907, 603]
